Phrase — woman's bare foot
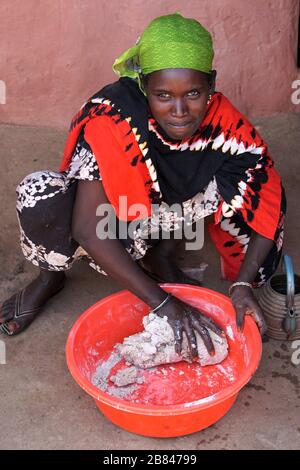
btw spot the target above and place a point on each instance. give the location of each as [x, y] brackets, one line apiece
[17, 312]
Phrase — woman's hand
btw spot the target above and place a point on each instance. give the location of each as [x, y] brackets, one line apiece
[245, 303]
[185, 318]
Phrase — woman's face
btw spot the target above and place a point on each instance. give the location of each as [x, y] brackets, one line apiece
[178, 99]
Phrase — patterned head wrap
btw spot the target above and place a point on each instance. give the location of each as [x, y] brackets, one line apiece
[170, 41]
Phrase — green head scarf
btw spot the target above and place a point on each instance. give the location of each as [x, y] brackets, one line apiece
[170, 41]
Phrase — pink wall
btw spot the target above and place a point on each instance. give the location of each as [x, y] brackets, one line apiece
[55, 53]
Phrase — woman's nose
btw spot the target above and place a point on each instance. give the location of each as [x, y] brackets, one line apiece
[179, 108]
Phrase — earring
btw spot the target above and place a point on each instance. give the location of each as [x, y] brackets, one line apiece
[209, 98]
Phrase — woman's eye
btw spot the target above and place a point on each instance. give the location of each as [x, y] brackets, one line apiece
[193, 93]
[164, 95]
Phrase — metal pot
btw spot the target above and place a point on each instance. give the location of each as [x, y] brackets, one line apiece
[279, 299]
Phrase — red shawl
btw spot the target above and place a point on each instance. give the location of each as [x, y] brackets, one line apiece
[248, 182]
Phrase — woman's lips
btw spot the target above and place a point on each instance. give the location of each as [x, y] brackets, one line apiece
[180, 130]
[179, 126]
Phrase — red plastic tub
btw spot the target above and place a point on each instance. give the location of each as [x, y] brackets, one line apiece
[187, 397]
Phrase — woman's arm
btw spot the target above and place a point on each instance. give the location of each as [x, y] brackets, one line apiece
[242, 296]
[109, 253]
[117, 263]
[258, 249]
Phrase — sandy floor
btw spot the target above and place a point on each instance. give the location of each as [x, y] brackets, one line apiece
[43, 408]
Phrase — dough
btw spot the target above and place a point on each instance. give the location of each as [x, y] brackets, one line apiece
[156, 345]
[127, 376]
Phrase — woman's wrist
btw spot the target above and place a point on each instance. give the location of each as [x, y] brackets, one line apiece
[168, 298]
[239, 288]
[155, 296]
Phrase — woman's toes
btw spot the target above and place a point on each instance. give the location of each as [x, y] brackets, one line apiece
[6, 311]
[12, 326]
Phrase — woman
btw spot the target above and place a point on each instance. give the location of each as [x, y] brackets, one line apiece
[158, 136]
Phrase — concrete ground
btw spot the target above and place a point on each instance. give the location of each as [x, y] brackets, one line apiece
[42, 407]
